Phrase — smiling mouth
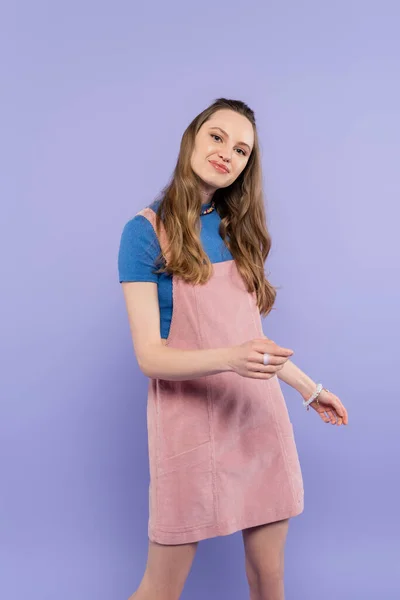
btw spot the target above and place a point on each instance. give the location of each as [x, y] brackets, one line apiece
[218, 167]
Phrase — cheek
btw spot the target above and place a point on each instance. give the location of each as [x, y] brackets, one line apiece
[239, 165]
[197, 161]
[195, 157]
[209, 150]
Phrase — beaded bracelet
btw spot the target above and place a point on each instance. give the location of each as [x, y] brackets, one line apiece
[314, 396]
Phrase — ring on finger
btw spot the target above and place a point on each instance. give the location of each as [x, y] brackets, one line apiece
[266, 358]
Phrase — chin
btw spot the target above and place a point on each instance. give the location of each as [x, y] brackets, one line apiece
[205, 178]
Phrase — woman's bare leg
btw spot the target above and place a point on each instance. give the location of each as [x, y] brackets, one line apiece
[264, 550]
[166, 571]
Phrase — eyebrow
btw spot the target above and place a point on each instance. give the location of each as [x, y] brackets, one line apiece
[224, 132]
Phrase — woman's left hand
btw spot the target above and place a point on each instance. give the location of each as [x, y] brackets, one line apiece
[329, 404]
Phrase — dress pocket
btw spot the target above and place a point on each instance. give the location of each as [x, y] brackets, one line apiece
[185, 493]
[199, 457]
[183, 417]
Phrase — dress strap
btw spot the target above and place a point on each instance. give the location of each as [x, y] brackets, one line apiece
[150, 215]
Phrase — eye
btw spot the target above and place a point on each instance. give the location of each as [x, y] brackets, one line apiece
[214, 135]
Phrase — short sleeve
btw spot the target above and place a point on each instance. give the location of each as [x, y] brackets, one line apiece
[138, 250]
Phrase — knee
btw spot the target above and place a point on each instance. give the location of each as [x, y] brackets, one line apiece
[266, 576]
[150, 590]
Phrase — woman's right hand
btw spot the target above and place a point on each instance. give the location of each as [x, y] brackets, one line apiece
[247, 358]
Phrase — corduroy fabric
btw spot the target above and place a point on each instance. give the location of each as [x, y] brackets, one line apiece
[222, 452]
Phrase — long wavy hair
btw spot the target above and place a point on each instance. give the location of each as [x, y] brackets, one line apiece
[240, 206]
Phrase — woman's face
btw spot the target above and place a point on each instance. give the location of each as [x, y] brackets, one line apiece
[226, 138]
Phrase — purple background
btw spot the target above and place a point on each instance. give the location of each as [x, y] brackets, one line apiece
[95, 98]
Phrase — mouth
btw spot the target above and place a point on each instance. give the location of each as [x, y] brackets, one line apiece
[219, 167]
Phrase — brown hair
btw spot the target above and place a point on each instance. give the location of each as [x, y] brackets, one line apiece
[240, 206]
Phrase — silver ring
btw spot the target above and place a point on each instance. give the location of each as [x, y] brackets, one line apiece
[266, 358]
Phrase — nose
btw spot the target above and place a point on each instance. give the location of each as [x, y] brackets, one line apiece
[226, 155]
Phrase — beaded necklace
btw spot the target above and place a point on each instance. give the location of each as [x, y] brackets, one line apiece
[209, 209]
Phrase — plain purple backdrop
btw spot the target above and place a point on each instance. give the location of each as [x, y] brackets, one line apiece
[95, 98]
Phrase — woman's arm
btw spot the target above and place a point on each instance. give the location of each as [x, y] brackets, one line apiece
[158, 361]
[328, 402]
[155, 359]
[297, 379]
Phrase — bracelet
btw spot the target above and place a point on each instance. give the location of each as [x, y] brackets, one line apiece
[314, 396]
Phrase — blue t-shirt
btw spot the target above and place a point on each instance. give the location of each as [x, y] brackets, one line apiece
[139, 248]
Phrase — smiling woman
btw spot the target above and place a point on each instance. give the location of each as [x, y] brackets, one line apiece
[225, 150]
[222, 452]
[219, 162]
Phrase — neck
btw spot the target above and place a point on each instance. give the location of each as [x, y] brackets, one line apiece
[207, 195]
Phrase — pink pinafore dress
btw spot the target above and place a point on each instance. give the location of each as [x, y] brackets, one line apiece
[222, 452]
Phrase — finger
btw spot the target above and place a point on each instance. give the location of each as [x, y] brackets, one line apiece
[272, 348]
[342, 412]
[331, 416]
[256, 367]
[339, 420]
[253, 365]
[323, 411]
[278, 348]
[323, 416]
[259, 375]
[272, 359]
[327, 416]
[340, 409]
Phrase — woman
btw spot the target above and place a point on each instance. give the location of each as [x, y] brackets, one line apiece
[222, 453]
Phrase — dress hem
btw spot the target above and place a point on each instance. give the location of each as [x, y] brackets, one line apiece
[226, 528]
